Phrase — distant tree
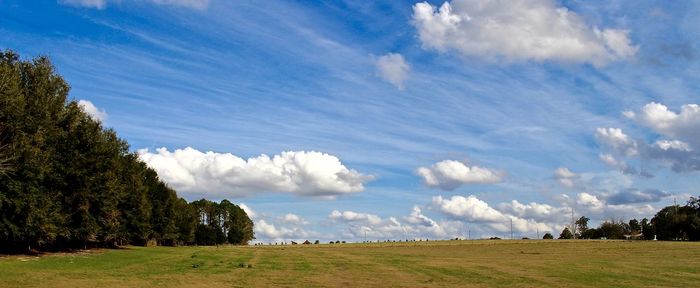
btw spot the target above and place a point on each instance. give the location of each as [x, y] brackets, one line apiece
[548, 236]
[566, 234]
[647, 229]
[582, 226]
[591, 233]
[612, 229]
[634, 225]
[677, 223]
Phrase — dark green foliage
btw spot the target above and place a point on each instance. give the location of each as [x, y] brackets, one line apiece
[67, 182]
[677, 223]
[612, 230]
[582, 226]
[647, 229]
[548, 236]
[221, 223]
[634, 226]
[566, 234]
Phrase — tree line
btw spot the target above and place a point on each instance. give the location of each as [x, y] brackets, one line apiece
[67, 182]
[673, 222]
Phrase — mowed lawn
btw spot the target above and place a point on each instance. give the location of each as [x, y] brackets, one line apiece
[505, 263]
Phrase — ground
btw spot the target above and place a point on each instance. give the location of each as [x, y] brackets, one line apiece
[482, 263]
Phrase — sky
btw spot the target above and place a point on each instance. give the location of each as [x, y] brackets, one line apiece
[353, 120]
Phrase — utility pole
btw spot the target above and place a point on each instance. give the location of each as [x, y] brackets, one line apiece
[538, 232]
[511, 228]
[365, 236]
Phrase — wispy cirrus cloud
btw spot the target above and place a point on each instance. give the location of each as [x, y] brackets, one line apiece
[102, 4]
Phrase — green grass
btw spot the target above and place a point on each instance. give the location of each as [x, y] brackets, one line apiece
[527, 263]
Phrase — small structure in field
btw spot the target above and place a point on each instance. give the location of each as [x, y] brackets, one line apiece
[634, 236]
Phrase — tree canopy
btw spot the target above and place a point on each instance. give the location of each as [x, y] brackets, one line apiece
[67, 182]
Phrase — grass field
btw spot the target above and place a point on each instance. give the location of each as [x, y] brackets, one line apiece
[527, 263]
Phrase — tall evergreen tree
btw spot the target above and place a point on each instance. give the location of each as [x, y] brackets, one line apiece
[67, 182]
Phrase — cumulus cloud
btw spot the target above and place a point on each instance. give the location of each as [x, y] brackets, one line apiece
[536, 211]
[472, 209]
[92, 110]
[350, 216]
[251, 213]
[393, 68]
[589, 201]
[469, 208]
[684, 125]
[518, 30]
[627, 203]
[265, 230]
[102, 4]
[618, 140]
[223, 174]
[293, 219]
[415, 225]
[613, 162]
[278, 229]
[677, 144]
[450, 174]
[470, 212]
[565, 176]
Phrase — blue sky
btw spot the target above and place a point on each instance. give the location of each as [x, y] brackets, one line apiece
[398, 119]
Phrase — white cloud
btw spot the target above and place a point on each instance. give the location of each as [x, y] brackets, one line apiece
[265, 230]
[293, 219]
[468, 208]
[536, 211]
[565, 176]
[472, 209]
[92, 110]
[589, 201]
[350, 216]
[393, 68]
[303, 173]
[618, 164]
[618, 140]
[450, 174]
[251, 213]
[677, 148]
[683, 126]
[96, 4]
[102, 4]
[518, 30]
[416, 225]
